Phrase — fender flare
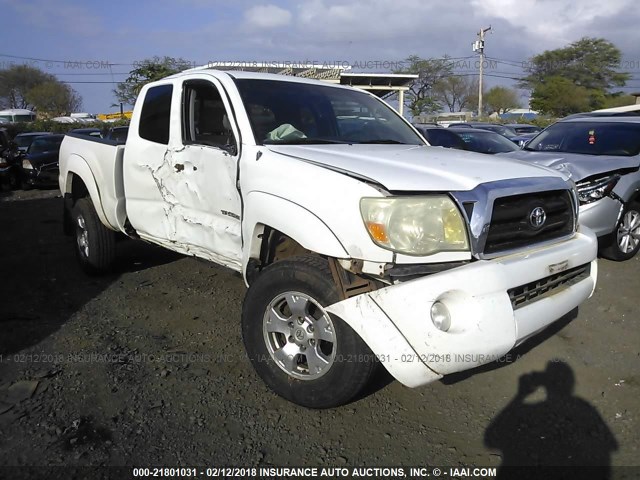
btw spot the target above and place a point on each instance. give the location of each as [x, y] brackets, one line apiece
[76, 165]
[263, 209]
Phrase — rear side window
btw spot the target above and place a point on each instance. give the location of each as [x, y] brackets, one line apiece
[154, 119]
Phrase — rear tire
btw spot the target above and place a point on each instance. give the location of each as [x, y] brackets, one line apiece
[94, 243]
[625, 239]
[301, 352]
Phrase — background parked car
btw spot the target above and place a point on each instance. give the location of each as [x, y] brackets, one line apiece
[519, 139]
[40, 166]
[441, 137]
[483, 141]
[525, 128]
[23, 140]
[93, 132]
[118, 134]
[602, 154]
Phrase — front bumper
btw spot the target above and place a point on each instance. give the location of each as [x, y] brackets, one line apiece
[41, 177]
[395, 321]
[601, 216]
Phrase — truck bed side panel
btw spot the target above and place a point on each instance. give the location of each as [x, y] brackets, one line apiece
[99, 164]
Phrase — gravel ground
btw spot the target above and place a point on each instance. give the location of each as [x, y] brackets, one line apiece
[146, 367]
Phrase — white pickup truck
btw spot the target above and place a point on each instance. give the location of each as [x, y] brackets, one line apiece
[360, 244]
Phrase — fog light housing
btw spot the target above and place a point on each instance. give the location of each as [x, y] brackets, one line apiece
[440, 316]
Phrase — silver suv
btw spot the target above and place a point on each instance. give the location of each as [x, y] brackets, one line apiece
[602, 155]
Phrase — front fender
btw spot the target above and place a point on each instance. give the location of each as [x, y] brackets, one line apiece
[263, 209]
[76, 165]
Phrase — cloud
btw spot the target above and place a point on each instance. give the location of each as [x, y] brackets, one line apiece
[267, 16]
[553, 23]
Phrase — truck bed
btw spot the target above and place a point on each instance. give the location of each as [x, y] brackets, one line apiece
[101, 161]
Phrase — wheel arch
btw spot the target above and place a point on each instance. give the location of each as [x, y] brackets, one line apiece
[272, 221]
[79, 182]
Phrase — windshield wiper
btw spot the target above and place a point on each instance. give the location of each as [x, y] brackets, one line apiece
[302, 141]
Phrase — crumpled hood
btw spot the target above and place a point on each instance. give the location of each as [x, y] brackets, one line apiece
[578, 166]
[412, 167]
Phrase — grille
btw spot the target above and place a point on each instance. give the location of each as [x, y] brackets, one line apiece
[531, 292]
[511, 227]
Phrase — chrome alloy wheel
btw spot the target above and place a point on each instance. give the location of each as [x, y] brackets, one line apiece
[628, 235]
[299, 335]
[82, 236]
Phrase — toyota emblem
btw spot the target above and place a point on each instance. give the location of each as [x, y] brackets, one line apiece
[537, 217]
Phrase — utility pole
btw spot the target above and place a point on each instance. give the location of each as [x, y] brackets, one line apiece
[478, 47]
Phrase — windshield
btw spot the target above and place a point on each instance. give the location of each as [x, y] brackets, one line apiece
[45, 144]
[24, 140]
[589, 138]
[487, 142]
[299, 113]
[526, 129]
[499, 129]
[441, 137]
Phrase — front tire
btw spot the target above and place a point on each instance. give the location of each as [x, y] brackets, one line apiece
[625, 241]
[301, 352]
[95, 243]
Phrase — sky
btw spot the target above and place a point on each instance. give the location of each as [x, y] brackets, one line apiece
[92, 45]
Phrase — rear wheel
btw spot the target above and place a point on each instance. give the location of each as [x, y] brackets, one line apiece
[301, 352]
[95, 243]
[625, 241]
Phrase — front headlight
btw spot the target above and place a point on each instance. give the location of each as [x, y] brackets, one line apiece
[415, 225]
[597, 189]
[26, 164]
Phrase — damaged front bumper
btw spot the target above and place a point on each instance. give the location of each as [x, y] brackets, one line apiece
[494, 305]
[601, 216]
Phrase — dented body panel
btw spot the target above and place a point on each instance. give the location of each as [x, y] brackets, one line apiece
[212, 191]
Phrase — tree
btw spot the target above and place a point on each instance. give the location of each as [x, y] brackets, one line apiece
[457, 92]
[560, 97]
[589, 62]
[421, 97]
[587, 69]
[15, 83]
[147, 70]
[54, 98]
[501, 99]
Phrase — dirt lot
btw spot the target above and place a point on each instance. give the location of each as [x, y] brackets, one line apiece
[146, 367]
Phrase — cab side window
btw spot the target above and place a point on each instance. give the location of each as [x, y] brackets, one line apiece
[156, 111]
[204, 118]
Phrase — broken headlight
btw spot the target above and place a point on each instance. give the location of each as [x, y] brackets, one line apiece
[26, 164]
[415, 225]
[594, 190]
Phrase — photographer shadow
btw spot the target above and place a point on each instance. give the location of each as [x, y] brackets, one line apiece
[560, 431]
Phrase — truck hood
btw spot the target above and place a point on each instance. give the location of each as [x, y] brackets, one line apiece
[413, 167]
[578, 166]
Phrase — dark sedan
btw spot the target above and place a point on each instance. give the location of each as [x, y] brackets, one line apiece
[24, 140]
[441, 137]
[484, 141]
[40, 166]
